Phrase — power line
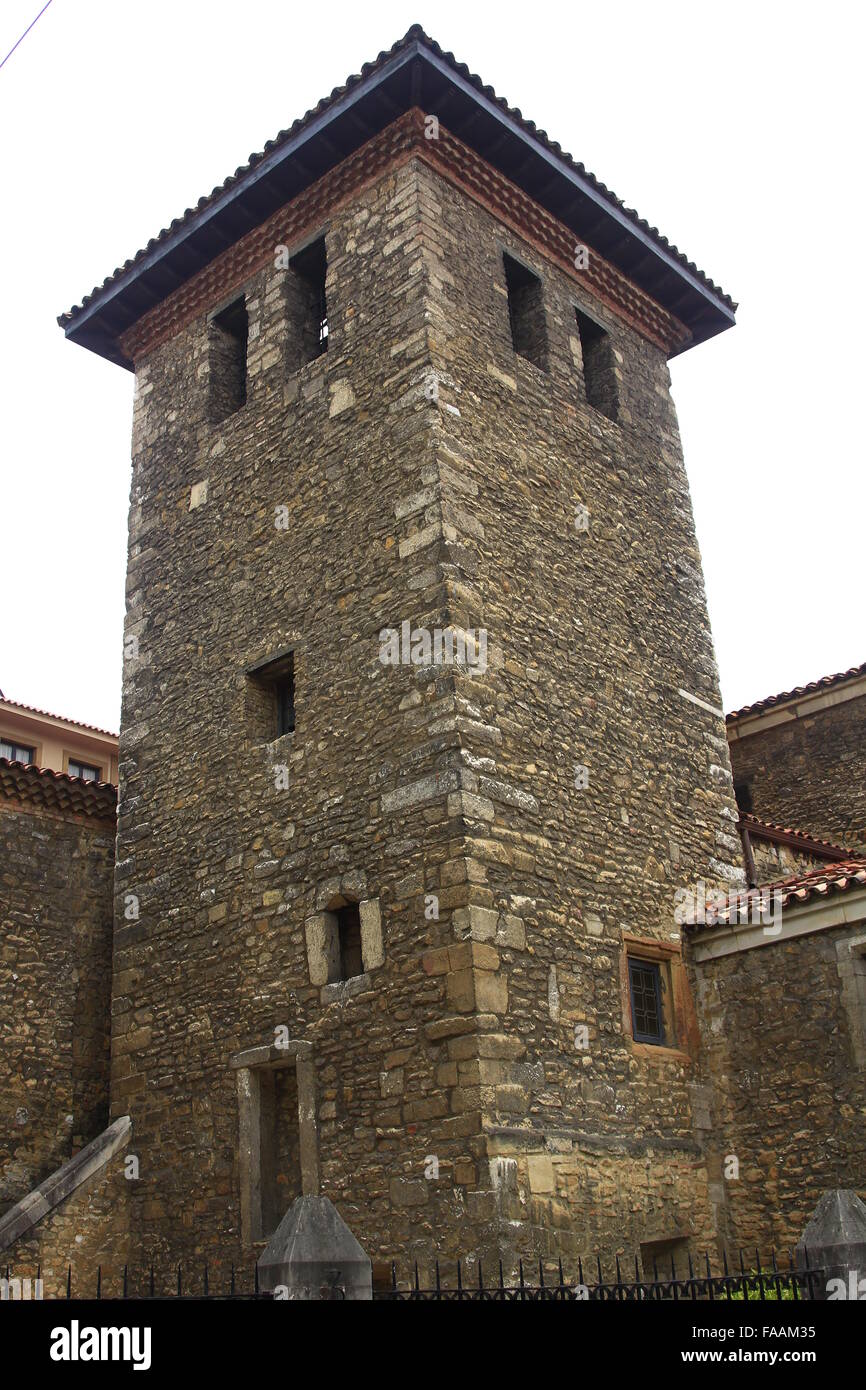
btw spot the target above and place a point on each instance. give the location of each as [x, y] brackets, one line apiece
[26, 32]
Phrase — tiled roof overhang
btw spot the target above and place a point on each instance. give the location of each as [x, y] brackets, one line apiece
[414, 73]
[799, 692]
[60, 718]
[792, 838]
[45, 790]
[788, 893]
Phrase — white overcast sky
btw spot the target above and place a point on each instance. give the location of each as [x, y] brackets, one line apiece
[736, 129]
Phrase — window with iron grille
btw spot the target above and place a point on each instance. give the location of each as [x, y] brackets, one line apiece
[16, 752]
[645, 986]
[83, 770]
[526, 312]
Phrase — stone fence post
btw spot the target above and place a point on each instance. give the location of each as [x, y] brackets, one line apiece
[835, 1239]
[313, 1255]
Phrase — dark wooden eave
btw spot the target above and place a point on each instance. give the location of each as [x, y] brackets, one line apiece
[416, 73]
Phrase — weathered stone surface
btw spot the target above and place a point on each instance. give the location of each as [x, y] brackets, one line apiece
[784, 1049]
[448, 790]
[313, 1255]
[835, 1240]
[56, 904]
[807, 771]
[18, 1222]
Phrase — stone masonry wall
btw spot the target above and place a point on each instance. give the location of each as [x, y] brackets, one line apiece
[85, 1238]
[296, 544]
[775, 862]
[601, 672]
[55, 983]
[417, 472]
[809, 772]
[785, 1048]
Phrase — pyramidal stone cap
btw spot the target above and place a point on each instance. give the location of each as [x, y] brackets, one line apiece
[835, 1241]
[313, 1255]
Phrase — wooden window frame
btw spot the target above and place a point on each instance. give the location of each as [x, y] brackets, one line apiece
[653, 970]
[68, 760]
[679, 1020]
[13, 743]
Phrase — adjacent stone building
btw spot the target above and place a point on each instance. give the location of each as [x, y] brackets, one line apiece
[797, 757]
[421, 739]
[782, 1004]
[56, 908]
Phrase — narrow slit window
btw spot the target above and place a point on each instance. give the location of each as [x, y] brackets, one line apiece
[308, 305]
[526, 313]
[227, 360]
[349, 934]
[599, 375]
[645, 986]
[284, 689]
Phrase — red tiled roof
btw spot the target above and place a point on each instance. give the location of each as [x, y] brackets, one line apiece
[788, 892]
[57, 791]
[31, 709]
[798, 691]
[768, 830]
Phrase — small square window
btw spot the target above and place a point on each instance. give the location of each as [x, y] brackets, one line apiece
[16, 752]
[344, 943]
[647, 1014]
[526, 312]
[85, 771]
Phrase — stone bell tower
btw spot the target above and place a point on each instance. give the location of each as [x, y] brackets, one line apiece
[421, 730]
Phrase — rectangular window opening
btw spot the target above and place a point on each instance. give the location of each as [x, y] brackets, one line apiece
[349, 933]
[308, 305]
[645, 986]
[526, 312]
[271, 698]
[599, 375]
[228, 332]
[16, 752]
[743, 794]
[84, 770]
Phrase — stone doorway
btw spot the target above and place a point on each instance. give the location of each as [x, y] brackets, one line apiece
[278, 1141]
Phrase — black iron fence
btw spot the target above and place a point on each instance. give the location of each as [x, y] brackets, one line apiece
[467, 1281]
[747, 1281]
